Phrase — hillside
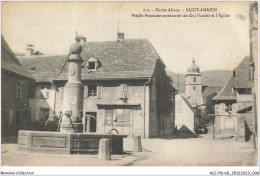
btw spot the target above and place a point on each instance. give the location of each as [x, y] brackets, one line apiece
[209, 78]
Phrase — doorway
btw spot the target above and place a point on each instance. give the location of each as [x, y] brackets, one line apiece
[91, 122]
[18, 121]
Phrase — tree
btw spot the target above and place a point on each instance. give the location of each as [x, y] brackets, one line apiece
[165, 93]
[209, 108]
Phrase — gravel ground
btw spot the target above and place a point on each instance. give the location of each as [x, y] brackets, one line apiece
[201, 151]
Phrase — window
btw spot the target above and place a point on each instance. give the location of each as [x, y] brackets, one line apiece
[122, 117]
[229, 108]
[61, 92]
[124, 91]
[44, 114]
[179, 106]
[19, 90]
[32, 92]
[92, 65]
[109, 117]
[222, 107]
[194, 87]
[92, 91]
[194, 79]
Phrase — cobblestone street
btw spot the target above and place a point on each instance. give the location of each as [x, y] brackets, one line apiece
[202, 151]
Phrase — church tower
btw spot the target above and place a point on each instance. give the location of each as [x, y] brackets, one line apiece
[193, 85]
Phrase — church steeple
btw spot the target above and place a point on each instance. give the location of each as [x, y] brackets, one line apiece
[193, 68]
[193, 85]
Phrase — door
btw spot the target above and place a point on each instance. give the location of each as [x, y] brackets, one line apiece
[91, 122]
[122, 121]
[45, 112]
[18, 121]
[44, 115]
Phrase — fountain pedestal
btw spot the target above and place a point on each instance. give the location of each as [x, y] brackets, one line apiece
[73, 93]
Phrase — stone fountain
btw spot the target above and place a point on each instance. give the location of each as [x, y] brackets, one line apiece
[70, 138]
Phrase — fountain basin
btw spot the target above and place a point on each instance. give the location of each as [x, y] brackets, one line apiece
[69, 143]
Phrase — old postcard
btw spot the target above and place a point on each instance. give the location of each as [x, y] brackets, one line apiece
[129, 84]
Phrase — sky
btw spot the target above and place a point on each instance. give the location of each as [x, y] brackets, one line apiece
[215, 43]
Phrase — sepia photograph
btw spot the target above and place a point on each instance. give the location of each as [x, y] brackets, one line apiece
[102, 83]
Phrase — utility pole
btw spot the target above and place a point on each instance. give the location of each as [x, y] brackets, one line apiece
[253, 57]
[178, 81]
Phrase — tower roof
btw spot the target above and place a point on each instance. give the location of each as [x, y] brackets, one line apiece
[193, 68]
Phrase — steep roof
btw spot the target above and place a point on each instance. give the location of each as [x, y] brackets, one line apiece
[126, 59]
[239, 79]
[186, 101]
[9, 62]
[208, 90]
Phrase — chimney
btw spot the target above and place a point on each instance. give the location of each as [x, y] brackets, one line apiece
[120, 36]
[29, 50]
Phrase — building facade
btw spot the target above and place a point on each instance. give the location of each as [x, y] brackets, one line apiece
[234, 96]
[120, 81]
[16, 83]
[184, 115]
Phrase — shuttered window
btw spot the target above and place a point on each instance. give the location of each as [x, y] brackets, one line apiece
[123, 91]
[93, 91]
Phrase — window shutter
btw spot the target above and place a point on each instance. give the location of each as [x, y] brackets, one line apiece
[126, 90]
[120, 91]
[17, 90]
[21, 90]
[47, 91]
[62, 92]
[99, 91]
[85, 91]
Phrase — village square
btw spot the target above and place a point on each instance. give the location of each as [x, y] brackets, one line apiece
[116, 103]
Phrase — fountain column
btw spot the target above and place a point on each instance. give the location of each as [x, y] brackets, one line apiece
[73, 93]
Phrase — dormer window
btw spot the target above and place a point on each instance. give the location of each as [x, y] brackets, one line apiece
[93, 64]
